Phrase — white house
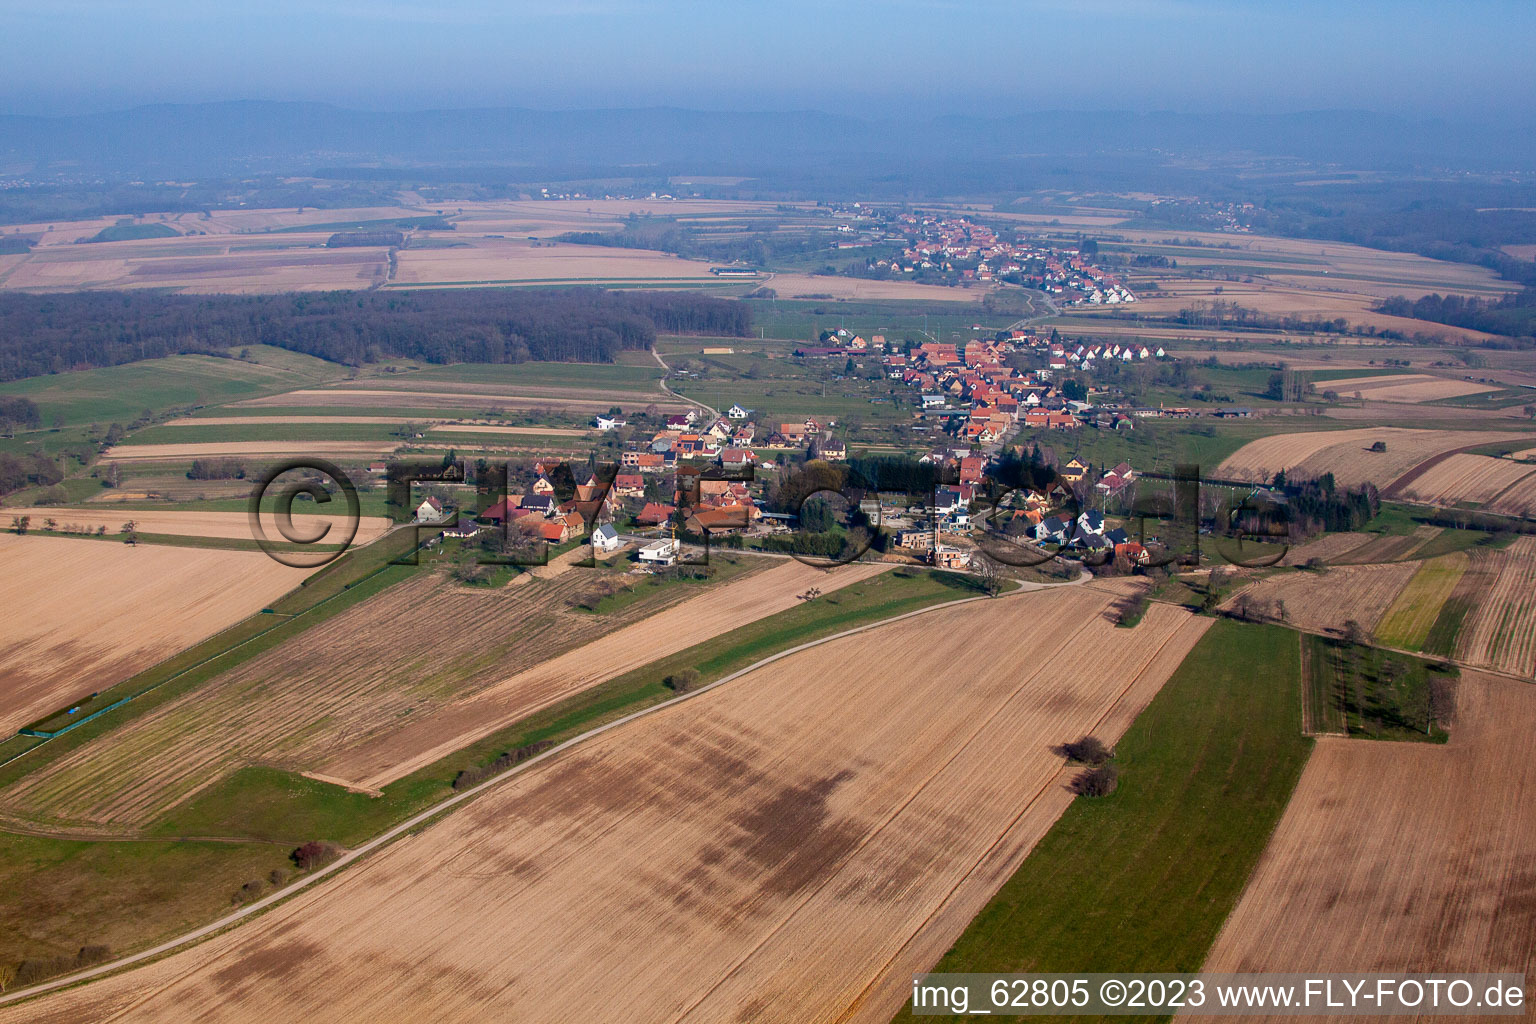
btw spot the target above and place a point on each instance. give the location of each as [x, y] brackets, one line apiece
[933, 401]
[661, 552]
[736, 412]
[605, 539]
[430, 511]
[609, 422]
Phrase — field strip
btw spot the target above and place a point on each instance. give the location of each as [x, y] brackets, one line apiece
[422, 818]
[257, 421]
[214, 449]
[1407, 622]
[1402, 856]
[470, 428]
[355, 398]
[428, 739]
[970, 893]
[84, 615]
[221, 525]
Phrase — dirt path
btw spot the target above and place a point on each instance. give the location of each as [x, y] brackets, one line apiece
[714, 414]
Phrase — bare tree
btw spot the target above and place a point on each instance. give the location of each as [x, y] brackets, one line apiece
[683, 679]
[987, 572]
[1100, 781]
[1442, 700]
[1088, 750]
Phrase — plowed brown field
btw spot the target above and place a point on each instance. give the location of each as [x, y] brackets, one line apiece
[1500, 632]
[222, 525]
[789, 847]
[1327, 548]
[81, 615]
[218, 449]
[379, 685]
[1404, 387]
[1519, 500]
[1403, 857]
[1346, 454]
[428, 738]
[1326, 600]
[1473, 479]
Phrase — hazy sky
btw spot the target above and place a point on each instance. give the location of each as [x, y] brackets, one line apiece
[900, 56]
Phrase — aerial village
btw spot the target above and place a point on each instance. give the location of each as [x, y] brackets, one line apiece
[707, 476]
[960, 251]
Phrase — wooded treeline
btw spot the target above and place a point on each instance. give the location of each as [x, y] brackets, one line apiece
[42, 334]
[1513, 314]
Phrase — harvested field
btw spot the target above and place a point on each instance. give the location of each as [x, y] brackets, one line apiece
[375, 682]
[1291, 297]
[427, 738]
[1323, 601]
[1402, 856]
[215, 449]
[1327, 549]
[261, 421]
[362, 398]
[1389, 547]
[1500, 631]
[1407, 623]
[85, 614]
[130, 265]
[792, 285]
[803, 838]
[1404, 387]
[226, 525]
[1519, 499]
[470, 428]
[1463, 479]
[1346, 454]
[507, 261]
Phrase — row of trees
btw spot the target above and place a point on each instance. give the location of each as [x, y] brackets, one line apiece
[18, 413]
[18, 471]
[1513, 314]
[42, 334]
[215, 469]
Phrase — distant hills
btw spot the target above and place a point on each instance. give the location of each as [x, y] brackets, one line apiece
[513, 144]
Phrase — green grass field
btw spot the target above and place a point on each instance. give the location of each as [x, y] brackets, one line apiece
[1142, 880]
[121, 393]
[1408, 622]
[605, 376]
[63, 894]
[1372, 693]
[1446, 630]
[134, 233]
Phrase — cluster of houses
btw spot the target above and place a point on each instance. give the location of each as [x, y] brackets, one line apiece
[1086, 357]
[1036, 516]
[973, 252]
[983, 399]
[539, 514]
